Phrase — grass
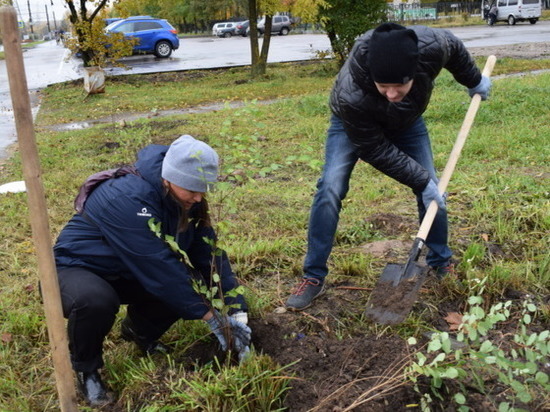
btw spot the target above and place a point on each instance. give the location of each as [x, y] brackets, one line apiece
[133, 93]
[272, 157]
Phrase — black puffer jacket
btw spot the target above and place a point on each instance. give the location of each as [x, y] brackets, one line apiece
[370, 120]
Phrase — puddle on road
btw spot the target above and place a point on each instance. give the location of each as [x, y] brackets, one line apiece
[73, 126]
[128, 117]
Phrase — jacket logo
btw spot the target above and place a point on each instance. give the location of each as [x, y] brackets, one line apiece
[144, 213]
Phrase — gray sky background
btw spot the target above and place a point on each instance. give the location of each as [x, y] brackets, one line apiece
[38, 10]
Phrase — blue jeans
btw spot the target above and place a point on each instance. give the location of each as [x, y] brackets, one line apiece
[332, 187]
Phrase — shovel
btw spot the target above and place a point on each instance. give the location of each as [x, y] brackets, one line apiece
[395, 292]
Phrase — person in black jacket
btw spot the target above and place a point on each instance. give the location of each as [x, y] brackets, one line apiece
[493, 13]
[107, 255]
[377, 104]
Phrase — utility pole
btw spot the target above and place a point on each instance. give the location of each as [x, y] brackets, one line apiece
[53, 11]
[30, 16]
[47, 18]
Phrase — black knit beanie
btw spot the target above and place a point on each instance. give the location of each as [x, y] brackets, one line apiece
[392, 54]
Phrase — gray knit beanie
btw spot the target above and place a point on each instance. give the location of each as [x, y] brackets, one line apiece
[190, 164]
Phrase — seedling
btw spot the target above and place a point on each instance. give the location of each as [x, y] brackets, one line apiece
[213, 294]
[474, 357]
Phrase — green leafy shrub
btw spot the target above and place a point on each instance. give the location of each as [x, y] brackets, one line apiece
[475, 357]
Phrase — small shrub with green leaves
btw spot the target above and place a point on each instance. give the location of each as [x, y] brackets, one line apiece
[213, 293]
[244, 157]
[474, 358]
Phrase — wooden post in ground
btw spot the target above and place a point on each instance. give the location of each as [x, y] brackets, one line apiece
[37, 209]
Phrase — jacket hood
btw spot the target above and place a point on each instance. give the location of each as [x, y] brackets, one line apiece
[149, 164]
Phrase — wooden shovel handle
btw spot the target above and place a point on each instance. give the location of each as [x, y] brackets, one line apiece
[38, 211]
[455, 153]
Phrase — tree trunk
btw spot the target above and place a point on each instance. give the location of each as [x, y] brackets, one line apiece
[255, 69]
[94, 80]
[336, 46]
[266, 42]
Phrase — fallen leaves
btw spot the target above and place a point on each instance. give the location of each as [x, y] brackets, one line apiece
[454, 320]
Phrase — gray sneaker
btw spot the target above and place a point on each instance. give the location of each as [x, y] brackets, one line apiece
[442, 271]
[305, 292]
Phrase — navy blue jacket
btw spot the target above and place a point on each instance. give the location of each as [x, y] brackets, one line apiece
[114, 239]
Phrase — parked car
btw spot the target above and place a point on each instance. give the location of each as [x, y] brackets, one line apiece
[225, 29]
[242, 27]
[280, 25]
[111, 20]
[512, 11]
[156, 36]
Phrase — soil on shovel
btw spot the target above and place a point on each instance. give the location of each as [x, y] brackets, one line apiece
[394, 298]
[390, 304]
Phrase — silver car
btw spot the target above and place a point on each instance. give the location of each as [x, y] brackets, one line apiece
[226, 29]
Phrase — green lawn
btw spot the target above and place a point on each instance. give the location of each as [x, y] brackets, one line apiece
[271, 149]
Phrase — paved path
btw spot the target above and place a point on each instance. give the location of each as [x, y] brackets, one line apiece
[48, 66]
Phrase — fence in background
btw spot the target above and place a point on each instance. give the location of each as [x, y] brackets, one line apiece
[432, 11]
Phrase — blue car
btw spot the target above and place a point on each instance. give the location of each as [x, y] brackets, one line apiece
[156, 36]
[111, 20]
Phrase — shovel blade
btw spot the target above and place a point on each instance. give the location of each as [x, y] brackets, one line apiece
[395, 294]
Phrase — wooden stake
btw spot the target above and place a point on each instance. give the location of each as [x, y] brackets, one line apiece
[38, 212]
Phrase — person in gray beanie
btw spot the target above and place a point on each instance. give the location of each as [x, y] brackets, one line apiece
[191, 164]
[107, 256]
[377, 103]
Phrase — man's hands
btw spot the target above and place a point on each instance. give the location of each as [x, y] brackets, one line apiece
[226, 327]
[483, 88]
[431, 192]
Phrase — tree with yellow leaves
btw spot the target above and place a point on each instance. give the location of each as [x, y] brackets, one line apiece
[88, 37]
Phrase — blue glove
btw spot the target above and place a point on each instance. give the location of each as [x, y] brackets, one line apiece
[227, 327]
[431, 192]
[483, 88]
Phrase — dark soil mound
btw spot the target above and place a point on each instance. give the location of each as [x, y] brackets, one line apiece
[333, 372]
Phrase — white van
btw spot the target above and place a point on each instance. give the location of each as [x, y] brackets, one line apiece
[519, 10]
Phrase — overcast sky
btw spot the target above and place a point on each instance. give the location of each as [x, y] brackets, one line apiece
[38, 9]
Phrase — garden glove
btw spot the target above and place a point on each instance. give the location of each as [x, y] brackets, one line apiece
[238, 331]
[431, 192]
[241, 317]
[482, 88]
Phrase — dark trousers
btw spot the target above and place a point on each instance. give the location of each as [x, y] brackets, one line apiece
[90, 303]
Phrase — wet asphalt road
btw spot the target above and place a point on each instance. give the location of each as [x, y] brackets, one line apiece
[48, 63]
